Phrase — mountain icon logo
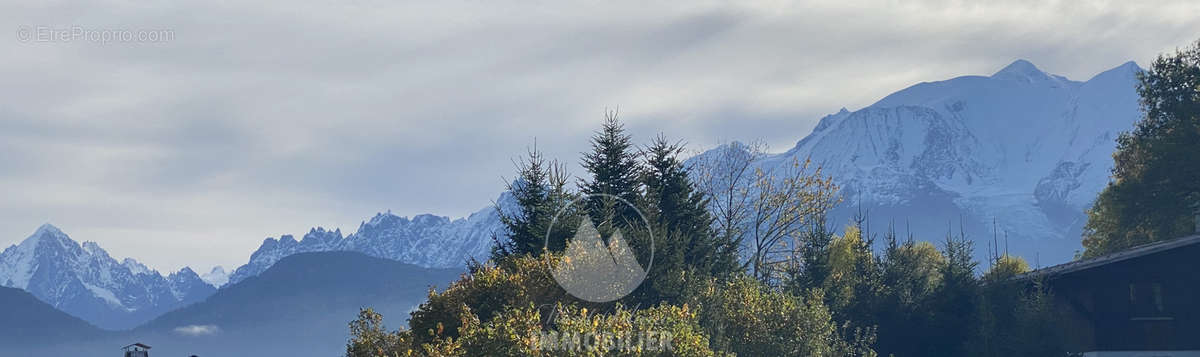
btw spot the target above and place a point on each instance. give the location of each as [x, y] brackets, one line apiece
[594, 270]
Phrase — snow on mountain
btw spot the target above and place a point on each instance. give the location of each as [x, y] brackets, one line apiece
[84, 281]
[216, 277]
[134, 266]
[188, 287]
[425, 240]
[1025, 148]
[272, 250]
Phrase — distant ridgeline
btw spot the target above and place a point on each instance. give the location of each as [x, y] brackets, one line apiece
[1022, 148]
[84, 281]
[299, 306]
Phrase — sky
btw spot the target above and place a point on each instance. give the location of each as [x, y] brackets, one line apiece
[184, 133]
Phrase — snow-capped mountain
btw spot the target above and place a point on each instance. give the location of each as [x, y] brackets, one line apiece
[1024, 148]
[425, 240]
[216, 277]
[1027, 149]
[84, 281]
[272, 250]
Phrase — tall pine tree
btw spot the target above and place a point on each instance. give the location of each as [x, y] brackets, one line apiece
[956, 303]
[681, 209]
[686, 248]
[539, 193]
[614, 168]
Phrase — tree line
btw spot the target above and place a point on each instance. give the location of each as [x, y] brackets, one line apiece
[746, 263]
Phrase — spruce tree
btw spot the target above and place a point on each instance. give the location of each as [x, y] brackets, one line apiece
[681, 209]
[955, 310]
[912, 273]
[615, 172]
[539, 193]
[686, 250]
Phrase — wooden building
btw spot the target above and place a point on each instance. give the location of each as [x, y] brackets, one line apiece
[136, 350]
[1142, 302]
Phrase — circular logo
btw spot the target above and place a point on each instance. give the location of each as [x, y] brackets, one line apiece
[24, 34]
[595, 268]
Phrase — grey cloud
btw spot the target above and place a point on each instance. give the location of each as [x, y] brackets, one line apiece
[267, 118]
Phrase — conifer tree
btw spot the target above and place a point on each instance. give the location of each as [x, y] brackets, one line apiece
[686, 250]
[956, 304]
[912, 274]
[539, 192]
[615, 172]
[682, 211]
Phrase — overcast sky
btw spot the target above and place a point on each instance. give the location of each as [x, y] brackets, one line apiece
[256, 119]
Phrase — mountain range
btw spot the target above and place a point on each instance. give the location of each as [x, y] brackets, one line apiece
[425, 240]
[301, 306]
[1016, 156]
[84, 281]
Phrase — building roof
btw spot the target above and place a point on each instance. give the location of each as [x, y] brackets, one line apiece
[138, 344]
[1085, 264]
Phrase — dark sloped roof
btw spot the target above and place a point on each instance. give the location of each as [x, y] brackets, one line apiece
[1084, 264]
[139, 344]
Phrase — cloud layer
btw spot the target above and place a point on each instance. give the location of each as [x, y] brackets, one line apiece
[262, 119]
[197, 330]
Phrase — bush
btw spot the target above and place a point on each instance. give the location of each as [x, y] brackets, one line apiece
[483, 293]
[743, 316]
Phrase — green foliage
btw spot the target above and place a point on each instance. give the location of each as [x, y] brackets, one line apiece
[615, 172]
[511, 333]
[807, 292]
[844, 257]
[369, 338]
[855, 281]
[686, 245]
[486, 292]
[564, 331]
[1156, 172]
[913, 271]
[659, 331]
[812, 267]
[540, 193]
[743, 316]
[1038, 328]
[1016, 319]
[1005, 267]
[956, 302]
[912, 275]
